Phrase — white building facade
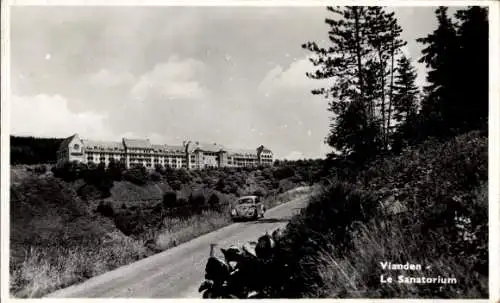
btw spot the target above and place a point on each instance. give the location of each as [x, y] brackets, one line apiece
[140, 152]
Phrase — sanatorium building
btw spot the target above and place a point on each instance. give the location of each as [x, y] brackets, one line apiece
[140, 152]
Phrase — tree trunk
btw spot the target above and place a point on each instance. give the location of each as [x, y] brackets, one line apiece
[386, 144]
[358, 54]
[382, 67]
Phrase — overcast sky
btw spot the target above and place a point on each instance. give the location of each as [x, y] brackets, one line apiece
[235, 76]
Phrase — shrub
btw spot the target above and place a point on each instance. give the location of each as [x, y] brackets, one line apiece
[106, 209]
[183, 208]
[115, 170]
[131, 223]
[197, 202]
[155, 176]
[70, 171]
[100, 178]
[170, 199]
[283, 172]
[41, 169]
[214, 202]
[136, 175]
[175, 184]
[159, 169]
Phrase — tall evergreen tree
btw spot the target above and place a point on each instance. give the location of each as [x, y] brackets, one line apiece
[354, 135]
[385, 41]
[405, 90]
[441, 56]
[457, 55]
[363, 40]
[344, 63]
[473, 40]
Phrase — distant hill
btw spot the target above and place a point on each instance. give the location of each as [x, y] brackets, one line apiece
[31, 150]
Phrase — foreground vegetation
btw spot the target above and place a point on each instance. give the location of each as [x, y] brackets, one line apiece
[71, 224]
[427, 206]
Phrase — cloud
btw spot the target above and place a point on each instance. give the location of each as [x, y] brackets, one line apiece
[44, 115]
[300, 119]
[106, 78]
[174, 79]
[171, 102]
[293, 78]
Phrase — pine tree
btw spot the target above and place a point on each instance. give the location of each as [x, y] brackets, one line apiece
[344, 63]
[441, 57]
[405, 90]
[358, 62]
[473, 40]
[457, 54]
[354, 135]
[385, 41]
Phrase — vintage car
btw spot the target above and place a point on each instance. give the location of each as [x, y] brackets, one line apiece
[248, 207]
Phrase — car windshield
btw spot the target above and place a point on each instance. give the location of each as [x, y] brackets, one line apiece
[245, 201]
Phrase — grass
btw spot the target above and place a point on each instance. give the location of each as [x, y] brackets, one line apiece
[276, 200]
[46, 269]
[179, 231]
[356, 274]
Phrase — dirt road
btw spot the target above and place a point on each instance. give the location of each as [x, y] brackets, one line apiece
[177, 272]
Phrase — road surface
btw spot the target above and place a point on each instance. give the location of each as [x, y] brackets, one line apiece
[177, 272]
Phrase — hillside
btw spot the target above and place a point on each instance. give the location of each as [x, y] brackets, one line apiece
[66, 231]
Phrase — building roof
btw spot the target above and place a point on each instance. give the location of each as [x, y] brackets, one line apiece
[239, 151]
[66, 141]
[137, 143]
[203, 146]
[108, 145]
[168, 148]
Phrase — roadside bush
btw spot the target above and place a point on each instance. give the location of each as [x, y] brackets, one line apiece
[169, 199]
[183, 208]
[131, 222]
[214, 202]
[106, 209]
[197, 202]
